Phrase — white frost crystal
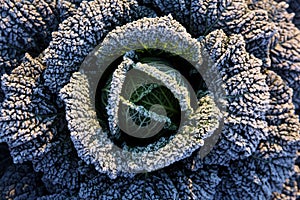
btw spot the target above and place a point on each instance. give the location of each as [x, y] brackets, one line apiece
[94, 145]
[248, 50]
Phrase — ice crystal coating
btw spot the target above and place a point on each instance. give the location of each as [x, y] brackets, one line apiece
[20, 182]
[26, 26]
[294, 6]
[173, 183]
[26, 116]
[247, 96]
[94, 145]
[233, 16]
[59, 166]
[115, 100]
[143, 186]
[272, 163]
[79, 34]
[255, 45]
[285, 45]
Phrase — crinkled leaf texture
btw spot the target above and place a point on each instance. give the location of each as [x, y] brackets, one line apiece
[26, 116]
[20, 182]
[294, 7]
[79, 34]
[247, 97]
[232, 16]
[26, 26]
[255, 47]
[272, 163]
[285, 45]
[94, 145]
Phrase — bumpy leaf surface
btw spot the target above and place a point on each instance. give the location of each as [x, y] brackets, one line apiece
[256, 53]
[27, 117]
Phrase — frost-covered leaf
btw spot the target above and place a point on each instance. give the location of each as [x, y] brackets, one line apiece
[59, 166]
[79, 34]
[246, 94]
[26, 26]
[232, 16]
[160, 74]
[252, 42]
[285, 46]
[58, 196]
[170, 183]
[266, 170]
[20, 182]
[289, 190]
[285, 58]
[294, 7]
[201, 183]
[27, 113]
[95, 146]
